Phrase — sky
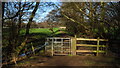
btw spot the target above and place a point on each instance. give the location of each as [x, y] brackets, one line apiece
[40, 16]
[42, 12]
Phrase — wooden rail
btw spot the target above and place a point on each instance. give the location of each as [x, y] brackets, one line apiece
[85, 39]
[90, 51]
[91, 45]
[97, 51]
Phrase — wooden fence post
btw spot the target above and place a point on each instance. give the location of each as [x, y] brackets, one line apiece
[73, 46]
[106, 49]
[98, 42]
[33, 49]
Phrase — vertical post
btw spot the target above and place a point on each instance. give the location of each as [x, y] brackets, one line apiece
[73, 45]
[47, 40]
[33, 49]
[70, 46]
[106, 49]
[52, 46]
[61, 45]
[98, 42]
[75, 36]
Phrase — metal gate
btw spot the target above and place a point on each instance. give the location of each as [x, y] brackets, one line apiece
[71, 46]
[58, 46]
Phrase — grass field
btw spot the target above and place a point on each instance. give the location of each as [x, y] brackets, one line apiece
[40, 30]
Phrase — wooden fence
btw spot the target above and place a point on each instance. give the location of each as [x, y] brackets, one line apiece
[73, 46]
[97, 51]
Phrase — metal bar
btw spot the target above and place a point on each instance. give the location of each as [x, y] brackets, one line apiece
[52, 47]
[61, 45]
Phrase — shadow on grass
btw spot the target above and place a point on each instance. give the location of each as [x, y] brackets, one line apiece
[37, 38]
[42, 34]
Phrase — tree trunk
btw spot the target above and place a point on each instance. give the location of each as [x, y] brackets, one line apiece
[19, 24]
[31, 18]
[3, 5]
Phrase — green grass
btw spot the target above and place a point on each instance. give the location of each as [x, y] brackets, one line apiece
[41, 30]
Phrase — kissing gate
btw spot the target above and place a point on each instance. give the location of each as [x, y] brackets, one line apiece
[75, 46]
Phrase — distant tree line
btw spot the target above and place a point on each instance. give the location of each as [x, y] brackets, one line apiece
[37, 25]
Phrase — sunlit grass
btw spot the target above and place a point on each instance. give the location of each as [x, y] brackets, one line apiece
[40, 30]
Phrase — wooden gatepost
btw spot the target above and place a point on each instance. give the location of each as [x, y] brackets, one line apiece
[73, 44]
[69, 46]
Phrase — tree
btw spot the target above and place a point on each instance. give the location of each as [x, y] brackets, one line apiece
[31, 18]
[90, 18]
[13, 15]
[114, 20]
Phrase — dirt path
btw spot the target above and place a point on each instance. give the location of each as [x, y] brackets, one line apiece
[69, 61]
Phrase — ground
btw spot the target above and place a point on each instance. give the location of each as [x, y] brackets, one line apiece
[69, 61]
